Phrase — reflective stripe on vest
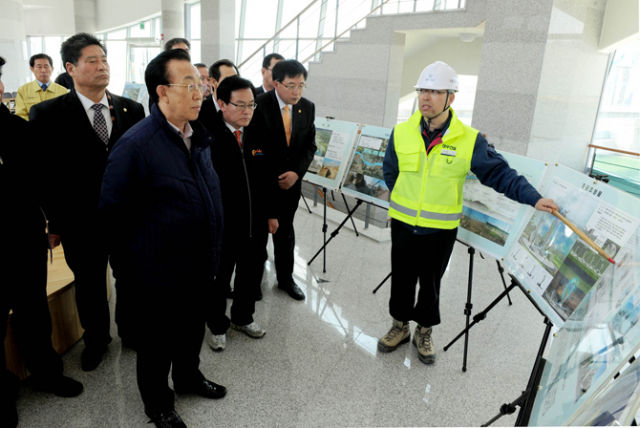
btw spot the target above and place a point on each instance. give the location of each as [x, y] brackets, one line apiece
[428, 191]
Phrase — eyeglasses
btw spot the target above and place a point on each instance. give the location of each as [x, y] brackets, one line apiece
[190, 87]
[244, 106]
[430, 92]
[295, 88]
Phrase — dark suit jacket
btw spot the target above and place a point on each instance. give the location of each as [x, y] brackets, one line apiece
[247, 178]
[65, 80]
[73, 158]
[298, 155]
[260, 90]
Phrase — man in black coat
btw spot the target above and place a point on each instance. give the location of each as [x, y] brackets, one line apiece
[290, 121]
[23, 269]
[161, 198]
[242, 158]
[268, 63]
[82, 127]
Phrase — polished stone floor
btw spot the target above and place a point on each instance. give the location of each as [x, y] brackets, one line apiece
[318, 365]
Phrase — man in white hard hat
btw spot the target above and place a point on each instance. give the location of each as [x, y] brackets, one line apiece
[425, 166]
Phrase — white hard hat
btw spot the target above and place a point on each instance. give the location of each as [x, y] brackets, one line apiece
[438, 76]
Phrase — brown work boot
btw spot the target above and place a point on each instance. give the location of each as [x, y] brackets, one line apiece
[423, 341]
[398, 335]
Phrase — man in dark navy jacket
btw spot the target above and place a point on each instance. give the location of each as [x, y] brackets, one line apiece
[162, 199]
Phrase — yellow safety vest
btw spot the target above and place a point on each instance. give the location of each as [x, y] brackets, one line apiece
[428, 191]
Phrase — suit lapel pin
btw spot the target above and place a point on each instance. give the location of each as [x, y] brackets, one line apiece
[124, 110]
[299, 111]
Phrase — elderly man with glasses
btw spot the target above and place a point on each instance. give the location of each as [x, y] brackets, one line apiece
[290, 122]
[162, 198]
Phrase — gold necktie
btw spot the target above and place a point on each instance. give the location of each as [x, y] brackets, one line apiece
[286, 120]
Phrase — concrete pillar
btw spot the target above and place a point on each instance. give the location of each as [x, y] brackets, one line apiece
[571, 81]
[13, 45]
[513, 49]
[172, 19]
[85, 16]
[218, 30]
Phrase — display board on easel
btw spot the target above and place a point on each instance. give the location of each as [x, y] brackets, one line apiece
[334, 141]
[491, 222]
[557, 268]
[363, 179]
[596, 342]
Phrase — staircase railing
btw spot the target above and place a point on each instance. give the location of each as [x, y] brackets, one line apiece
[348, 15]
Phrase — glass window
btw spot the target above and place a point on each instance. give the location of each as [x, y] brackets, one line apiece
[618, 123]
[156, 28]
[52, 48]
[195, 22]
[196, 51]
[260, 20]
[35, 46]
[142, 29]
[424, 5]
[117, 35]
[117, 56]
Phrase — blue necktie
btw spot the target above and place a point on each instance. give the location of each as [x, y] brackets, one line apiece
[44, 87]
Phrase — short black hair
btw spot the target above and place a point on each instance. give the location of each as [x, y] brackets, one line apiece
[2, 63]
[233, 83]
[71, 49]
[170, 43]
[198, 65]
[32, 60]
[157, 72]
[214, 70]
[288, 68]
[266, 62]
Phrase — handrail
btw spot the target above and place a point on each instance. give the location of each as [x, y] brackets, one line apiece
[614, 150]
[344, 32]
[276, 34]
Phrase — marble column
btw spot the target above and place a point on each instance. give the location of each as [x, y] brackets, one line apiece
[218, 30]
[571, 81]
[85, 16]
[172, 19]
[13, 45]
[515, 39]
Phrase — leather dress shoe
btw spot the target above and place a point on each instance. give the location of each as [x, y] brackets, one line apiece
[205, 388]
[292, 289]
[61, 386]
[258, 296]
[230, 293]
[92, 357]
[9, 415]
[170, 419]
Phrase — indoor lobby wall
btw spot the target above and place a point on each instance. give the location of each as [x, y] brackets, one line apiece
[13, 44]
[571, 81]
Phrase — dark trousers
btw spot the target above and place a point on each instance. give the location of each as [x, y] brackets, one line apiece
[247, 255]
[87, 258]
[126, 312]
[170, 330]
[23, 275]
[284, 240]
[413, 258]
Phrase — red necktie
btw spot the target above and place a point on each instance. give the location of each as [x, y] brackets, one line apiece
[238, 134]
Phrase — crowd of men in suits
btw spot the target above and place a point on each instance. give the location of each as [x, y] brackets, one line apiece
[175, 202]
